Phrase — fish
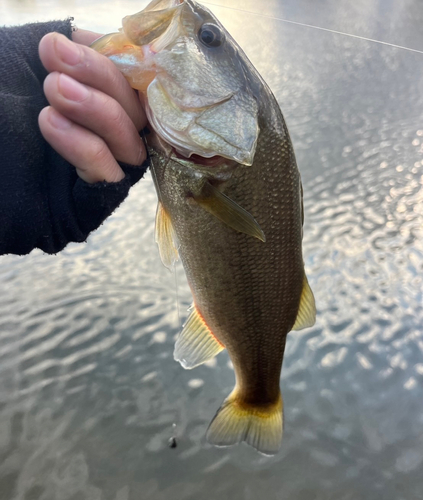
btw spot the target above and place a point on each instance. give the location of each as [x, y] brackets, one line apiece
[230, 204]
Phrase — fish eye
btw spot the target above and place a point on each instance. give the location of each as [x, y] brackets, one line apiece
[211, 35]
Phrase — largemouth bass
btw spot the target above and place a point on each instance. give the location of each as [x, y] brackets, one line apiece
[230, 204]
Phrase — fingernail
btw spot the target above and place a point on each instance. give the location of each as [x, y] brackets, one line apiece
[57, 120]
[71, 89]
[68, 51]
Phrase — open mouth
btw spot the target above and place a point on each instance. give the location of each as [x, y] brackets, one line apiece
[214, 161]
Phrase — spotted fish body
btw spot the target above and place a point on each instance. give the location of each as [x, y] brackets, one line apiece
[235, 222]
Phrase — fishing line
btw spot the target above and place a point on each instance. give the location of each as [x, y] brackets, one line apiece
[175, 263]
[177, 294]
[319, 28]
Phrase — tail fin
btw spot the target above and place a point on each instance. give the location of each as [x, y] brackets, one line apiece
[259, 426]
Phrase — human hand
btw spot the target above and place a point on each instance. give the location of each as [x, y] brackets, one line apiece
[94, 116]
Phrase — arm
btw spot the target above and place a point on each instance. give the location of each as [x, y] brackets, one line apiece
[45, 202]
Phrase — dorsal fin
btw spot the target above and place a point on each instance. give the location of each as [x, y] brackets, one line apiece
[306, 315]
[165, 237]
[196, 344]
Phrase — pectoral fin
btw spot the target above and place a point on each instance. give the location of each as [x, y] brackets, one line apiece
[196, 344]
[306, 315]
[229, 212]
[165, 237]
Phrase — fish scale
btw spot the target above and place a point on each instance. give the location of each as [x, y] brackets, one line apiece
[253, 302]
[236, 220]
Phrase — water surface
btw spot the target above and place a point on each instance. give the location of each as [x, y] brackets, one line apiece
[89, 391]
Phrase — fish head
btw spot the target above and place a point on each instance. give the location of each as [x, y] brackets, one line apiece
[198, 92]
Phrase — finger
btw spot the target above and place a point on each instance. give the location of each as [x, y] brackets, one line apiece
[82, 148]
[84, 37]
[87, 66]
[98, 113]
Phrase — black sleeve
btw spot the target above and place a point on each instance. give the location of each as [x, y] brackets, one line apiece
[43, 203]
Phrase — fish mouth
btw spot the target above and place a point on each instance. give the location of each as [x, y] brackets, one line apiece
[180, 145]
[155, 140]
[213, 161]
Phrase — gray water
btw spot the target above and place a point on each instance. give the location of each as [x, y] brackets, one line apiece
[89, 391]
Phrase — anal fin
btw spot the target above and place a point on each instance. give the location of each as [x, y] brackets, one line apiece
[306, 315]
[165, 237]
[196, 344]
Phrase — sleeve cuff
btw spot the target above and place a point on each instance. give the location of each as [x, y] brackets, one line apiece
[95, 202]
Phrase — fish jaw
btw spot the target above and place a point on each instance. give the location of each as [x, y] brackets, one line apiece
[152, 22]
[221, 129]
[197, 99]
[134, 62]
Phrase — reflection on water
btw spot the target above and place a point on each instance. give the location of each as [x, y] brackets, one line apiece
[89, 391]
[383, 20]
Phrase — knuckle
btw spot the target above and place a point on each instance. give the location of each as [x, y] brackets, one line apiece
[113, 76]
[98, 152]
[99, 112]
[105, 111]
[116, 115]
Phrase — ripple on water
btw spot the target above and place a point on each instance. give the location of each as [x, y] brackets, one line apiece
[89, 392]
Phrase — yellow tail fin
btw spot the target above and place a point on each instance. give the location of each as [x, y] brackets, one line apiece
[259, 426]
